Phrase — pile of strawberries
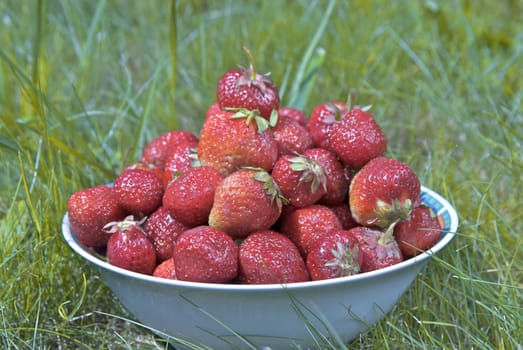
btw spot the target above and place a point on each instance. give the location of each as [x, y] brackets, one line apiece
[265, 194]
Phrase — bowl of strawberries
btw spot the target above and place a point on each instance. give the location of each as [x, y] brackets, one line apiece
[270, 229]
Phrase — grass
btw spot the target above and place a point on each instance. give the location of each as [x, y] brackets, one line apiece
[84, 84]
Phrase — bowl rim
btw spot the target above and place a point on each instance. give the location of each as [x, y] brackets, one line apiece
[447, 236]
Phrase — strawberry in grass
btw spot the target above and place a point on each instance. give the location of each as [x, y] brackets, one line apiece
[231, 140]
[305, 225]
[246, 89]
[159, 148]
[205, 254]
[139, 190]
[336, 182]
[248, 200]
[291, 136]
[378, 248]
[181, 158]
[335, 254]
[382, 192]
[89, 210]
[356, 138]
[293, 113]
[418, 233]
[267, 257]
[163, 230]
[165, 270]
[190, 196]
[302, 181]
[129, 248]
[322, 120]
[344, 214]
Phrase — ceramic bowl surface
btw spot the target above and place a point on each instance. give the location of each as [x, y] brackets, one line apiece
[267, 316]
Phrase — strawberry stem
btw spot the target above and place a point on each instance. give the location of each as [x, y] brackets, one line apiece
[389, 233]
[252, 66]
[350, 99]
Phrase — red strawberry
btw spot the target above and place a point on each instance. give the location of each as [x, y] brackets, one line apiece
[246, 89]
[336, 184]
[378, 248]
[418, 233]
[248, 200]
[163, 230]
[89, 210]
[129, 247]
[291, 136]
[322, 120]
[190, 196]
[158, 149]
[139, 191]
[181, 158]
[165, 270]
[357, 138]
[269, 257]
[305, 225]
[382, 192]
[230, 140]
[293, 113]
[205, 254]
[302, 180]
[344, 214]
[158, 171]
[334, 254]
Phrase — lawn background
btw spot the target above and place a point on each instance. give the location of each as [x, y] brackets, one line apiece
[84, 84]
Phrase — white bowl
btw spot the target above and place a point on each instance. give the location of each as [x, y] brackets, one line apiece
[268, 316]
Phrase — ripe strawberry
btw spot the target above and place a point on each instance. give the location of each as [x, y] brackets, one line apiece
[322, 120]
[293, 113]
[158, 171]
[165, 270]
[246, 89]
[333, 255]
[163, 230]
[291, 136]
[305, 225]
[357, 138]
[378, 248]
[139, 191]
[336, 183]
[129, 248]
[190, 196]
[230, 140]
[344, 214]
[382, 192]
[181, 158]
[302, 180]
[205, 254]
[159, 148]
[418, 233]
[248, 200]
[89, 210]
[269, 257]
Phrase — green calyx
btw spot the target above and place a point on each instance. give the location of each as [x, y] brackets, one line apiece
[123, 225]
[335, 113]
[270, 187]
[350, 103]
[345, 260]
[311, 172]
[387, 214]
[250, 77]
[250, 116]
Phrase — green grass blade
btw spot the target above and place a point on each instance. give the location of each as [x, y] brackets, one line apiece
[173, 47]
[93, 29]
[302, 83]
